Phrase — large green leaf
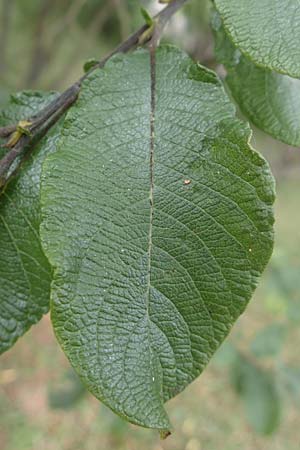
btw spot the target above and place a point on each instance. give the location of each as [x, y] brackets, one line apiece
[269, 99]
[25, 274]
[157, 217]
[267, 31]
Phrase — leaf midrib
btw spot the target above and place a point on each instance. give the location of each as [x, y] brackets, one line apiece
[151, 170]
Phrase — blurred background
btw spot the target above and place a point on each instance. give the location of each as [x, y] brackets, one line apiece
[249, 396]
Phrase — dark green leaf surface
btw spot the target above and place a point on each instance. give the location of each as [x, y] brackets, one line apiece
[266, 31]
[157, 236]
[269, 99]
[25, 274]
[259, 393]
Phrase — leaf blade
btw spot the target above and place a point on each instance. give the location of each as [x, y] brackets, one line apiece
[269, 99]
[25, 272]
[265, 31]
[132, 353]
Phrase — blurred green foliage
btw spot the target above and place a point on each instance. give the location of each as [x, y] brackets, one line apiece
[67, 392]
[44, 43]
[258, 391]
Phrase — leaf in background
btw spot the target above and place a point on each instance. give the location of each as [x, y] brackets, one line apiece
[269, 341]
[69, 392]
[226, 355]
[282, 285]
[157, 236]
[270, 100]
[266, 31]
[290, 383]
[259, 393]
[25, 274]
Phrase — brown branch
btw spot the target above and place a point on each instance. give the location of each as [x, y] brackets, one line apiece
[49, 115]
[7, 131]
[39, 128]
[18, 150]
[67, 98]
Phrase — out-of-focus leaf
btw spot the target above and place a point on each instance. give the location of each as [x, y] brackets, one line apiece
[25, 274]
[269, 99]
[259, 394]
[269, 341]
[290, 382]
[283, 286]
[226, 355]
[266, 31]
[70, 391]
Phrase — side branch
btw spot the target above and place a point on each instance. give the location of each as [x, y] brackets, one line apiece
[48, 116]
